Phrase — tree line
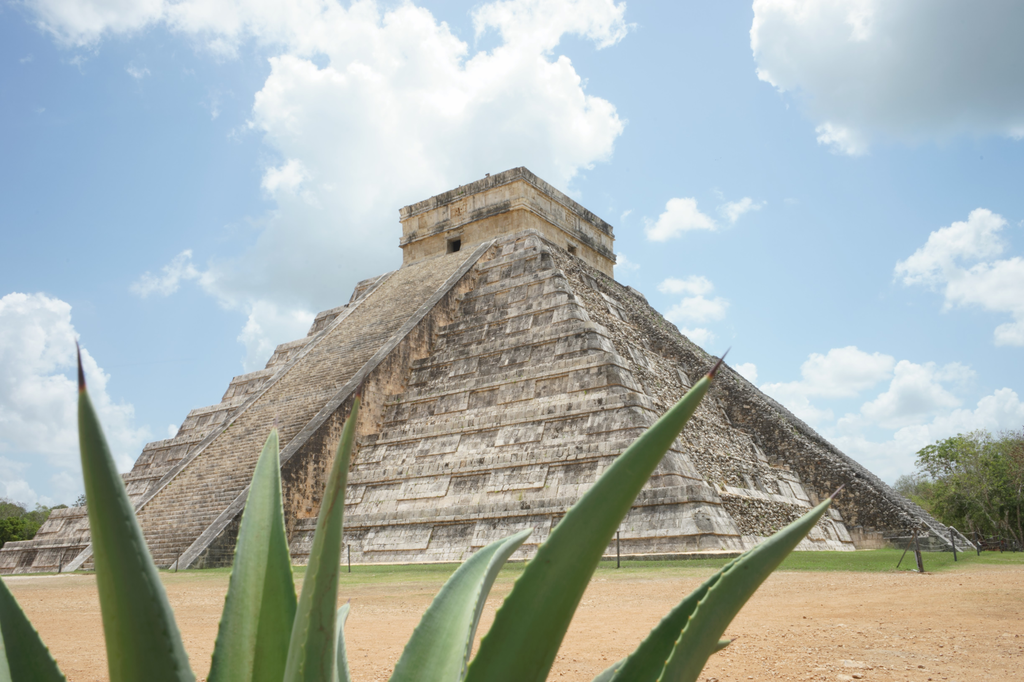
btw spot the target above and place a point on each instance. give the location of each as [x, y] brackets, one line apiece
[18, 522]
[973, 482]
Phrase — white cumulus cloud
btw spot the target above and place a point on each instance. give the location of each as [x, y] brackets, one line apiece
[734, 210]
[13, 485]
[369, 107]
[910, 70]
[83, 22]
[623, 264]
[698, 309]
[540, 24]
[699, 335]
[842, 372]
[39, 396]
[267, 324]
[915, 394]
[937, 261]
[680, 215]
[694, 285]
[960, 260]
[285, 179]
[170, 278]
[894, 456]
[695, 308]
[841, 139]
[797, 401]
[136, 72]
[747, 370]
[918, 404]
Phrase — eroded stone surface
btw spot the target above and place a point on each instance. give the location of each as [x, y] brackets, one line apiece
[545, 377]
[498, 381]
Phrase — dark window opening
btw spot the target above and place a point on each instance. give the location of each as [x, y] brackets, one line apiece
[454, 245]
[572, 249]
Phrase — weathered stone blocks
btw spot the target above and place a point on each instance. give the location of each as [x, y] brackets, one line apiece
[499, 381]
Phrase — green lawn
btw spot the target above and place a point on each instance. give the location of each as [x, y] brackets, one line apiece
[876, 560]
[880, 560]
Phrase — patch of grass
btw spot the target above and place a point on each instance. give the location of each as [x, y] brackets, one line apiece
[696, 567]
[883, 560]
[378, 574]
[870, 561]
[360, 575]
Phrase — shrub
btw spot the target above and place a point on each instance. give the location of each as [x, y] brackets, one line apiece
[267, 634]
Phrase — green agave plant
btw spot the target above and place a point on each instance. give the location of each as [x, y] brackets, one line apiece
[266, 634]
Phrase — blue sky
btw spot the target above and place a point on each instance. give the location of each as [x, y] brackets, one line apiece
[831, 188]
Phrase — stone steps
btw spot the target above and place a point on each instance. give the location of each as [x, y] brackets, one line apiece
[181, 511]
[520, 407]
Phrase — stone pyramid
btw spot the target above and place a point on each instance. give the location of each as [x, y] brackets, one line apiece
[502, 368]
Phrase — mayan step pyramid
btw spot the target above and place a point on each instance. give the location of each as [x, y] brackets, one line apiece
[502, 369]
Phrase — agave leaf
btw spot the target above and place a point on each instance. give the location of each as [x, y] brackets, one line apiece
[725, 598]
[608, 674]
[440, 646]
[143, 642]
[5, 671]
[311, 651]
[252, 642]
[342, 673]
[23, 656]
[646, 663]
[528, 629]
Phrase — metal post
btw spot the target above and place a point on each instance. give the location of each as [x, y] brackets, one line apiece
[905, 550]
[977, 543]
[176, 563]
[618, 556]
[917, 554]
[349, 557]
[952, 541]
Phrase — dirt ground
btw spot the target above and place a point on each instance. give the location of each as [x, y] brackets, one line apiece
[964, 625]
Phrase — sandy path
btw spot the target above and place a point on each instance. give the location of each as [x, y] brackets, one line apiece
[959, 625]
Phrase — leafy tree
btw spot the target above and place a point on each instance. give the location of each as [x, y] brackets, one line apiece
[10, 508]
[917, 488]
[34, 519]
[18, 523]
[974, 481]
[12, 528]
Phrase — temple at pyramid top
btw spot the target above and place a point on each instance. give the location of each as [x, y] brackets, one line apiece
[500, 205]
